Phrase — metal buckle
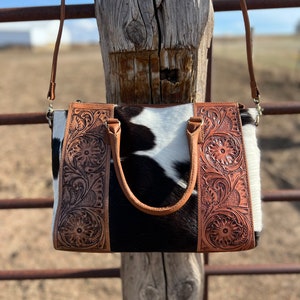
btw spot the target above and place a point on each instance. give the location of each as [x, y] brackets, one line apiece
[49, 114]
[259, 110]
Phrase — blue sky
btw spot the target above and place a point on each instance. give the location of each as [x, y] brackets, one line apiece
[270, 21]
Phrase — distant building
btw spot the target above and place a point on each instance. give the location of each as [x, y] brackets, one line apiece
[9, 38]
[36, 34]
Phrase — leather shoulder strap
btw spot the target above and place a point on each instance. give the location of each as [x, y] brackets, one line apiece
[253, 85]
[51, 91]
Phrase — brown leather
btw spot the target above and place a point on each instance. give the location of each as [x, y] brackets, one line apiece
[52, 85]
[224, 206]
[194, 136]
[82, 217]
[224, 216]
[225, 212]
[253, 84]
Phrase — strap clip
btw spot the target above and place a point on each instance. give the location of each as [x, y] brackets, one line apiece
[259, 110]
[49, 115]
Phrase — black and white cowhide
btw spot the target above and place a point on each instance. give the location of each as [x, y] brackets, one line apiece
[154, 173]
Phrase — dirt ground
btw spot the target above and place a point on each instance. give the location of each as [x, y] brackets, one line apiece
[25, 171]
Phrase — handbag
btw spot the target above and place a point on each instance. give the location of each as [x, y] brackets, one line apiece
[167, 178]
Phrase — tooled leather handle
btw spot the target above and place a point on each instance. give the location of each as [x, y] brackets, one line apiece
[194, 136]
[253, 84]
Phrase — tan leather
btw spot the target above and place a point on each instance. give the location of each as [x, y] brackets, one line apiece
[224, 203]
[82, 216]
[253, 84]
[52, 85]
[223, 221]
[194, 135]
[225, 211]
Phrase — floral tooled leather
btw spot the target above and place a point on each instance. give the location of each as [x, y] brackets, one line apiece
[84, 180]
[225, 215]
[224, 204]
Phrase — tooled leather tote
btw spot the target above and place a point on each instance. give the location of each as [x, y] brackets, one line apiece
[169, 178]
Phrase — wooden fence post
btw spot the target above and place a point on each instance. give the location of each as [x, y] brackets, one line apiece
[155, 51]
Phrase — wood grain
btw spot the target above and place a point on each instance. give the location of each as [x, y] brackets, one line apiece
[155, 51]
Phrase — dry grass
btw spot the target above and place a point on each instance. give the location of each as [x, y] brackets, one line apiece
[26, 169]
[274, 53]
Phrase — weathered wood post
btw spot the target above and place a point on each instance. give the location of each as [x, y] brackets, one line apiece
[155, 51]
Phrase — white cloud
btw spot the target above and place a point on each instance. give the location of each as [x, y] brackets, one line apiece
[85, 24]
[83, 30]
[21, 26]
[47, 34]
